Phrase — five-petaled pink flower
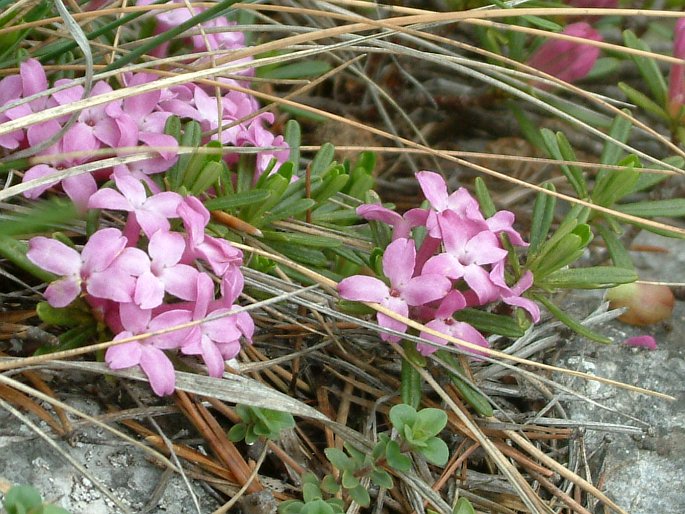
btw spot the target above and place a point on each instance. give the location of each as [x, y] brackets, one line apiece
[148, 353]
[95, 267]
[405, 290]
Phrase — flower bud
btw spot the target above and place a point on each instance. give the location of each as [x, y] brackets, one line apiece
[676, 79]
[568, 60]
[646, 303]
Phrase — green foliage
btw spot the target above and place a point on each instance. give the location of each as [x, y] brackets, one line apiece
[25, 499]
[259, 423]
[313, 493]
[419, 431]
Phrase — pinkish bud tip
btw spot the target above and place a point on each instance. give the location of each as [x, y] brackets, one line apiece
[647, 342]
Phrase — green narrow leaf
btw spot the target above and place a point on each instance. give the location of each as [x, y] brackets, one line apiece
[595, 277]
[233, 201]
[322, 160]
[487, 206]
[617, 251]
[543, 215]
[573, 324]
[573, 174]
[672, 208]
[410, 385]
[643, 101]
[648, 68]
[293, 137]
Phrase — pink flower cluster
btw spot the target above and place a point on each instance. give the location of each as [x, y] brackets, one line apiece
[148, 277]
[135, 121]
[459, 263]
[135, 291]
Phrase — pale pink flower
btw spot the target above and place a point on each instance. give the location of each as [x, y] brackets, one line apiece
[217, 340]
[405, 290]
[95, 267]
[445, 323]
[151, 213]
[164, 273]
[148, 353]
[465, 256]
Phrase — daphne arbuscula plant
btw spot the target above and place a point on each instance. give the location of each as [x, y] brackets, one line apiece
[459, 263]
[155, 273]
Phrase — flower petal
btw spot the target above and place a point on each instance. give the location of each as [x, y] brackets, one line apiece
[425, 289]
[398, 262]
[62, 292]
[123, 355]
[434, 189]
[159, 370]
[54, 256]
[361, 288]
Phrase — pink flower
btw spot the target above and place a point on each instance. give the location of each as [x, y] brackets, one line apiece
[147, 353]
[10, 90]
[676, 81]
[404, 291]
[164, 273]
[218, 253]
[96, 267]
[216, 340]
[465, 256]
[151, 213]
[97, 126]
[568, 60]
[444, 322]
[647, 342]
[80, 187]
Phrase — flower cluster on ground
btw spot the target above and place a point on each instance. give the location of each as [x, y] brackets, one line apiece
[151, 275]
[459, 263]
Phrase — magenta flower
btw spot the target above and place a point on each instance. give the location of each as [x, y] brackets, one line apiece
[148, 353]
[80, 187]
[10, 90]
[512, 295]
[568, 60]
[465, 256]
[444, 322]
[216, 340]
[676, 80]
[218, 253]
[404, 291]
[164, 273]
[97, 126]
[151, 213]
[96, 268]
